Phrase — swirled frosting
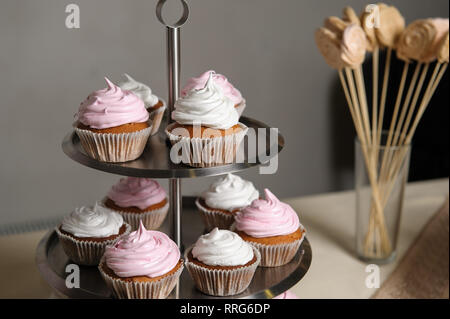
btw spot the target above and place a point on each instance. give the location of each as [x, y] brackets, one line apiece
[353, 45]
[97, 221]
[228, 89]
[207, 106]
[267, 217]
[329, 46]
[230, 192]
[441, 25]
[142, 253]
[138, 192]
[391, 25]
[111, 107]
[140, 89]
[421, 39]
[222, 248]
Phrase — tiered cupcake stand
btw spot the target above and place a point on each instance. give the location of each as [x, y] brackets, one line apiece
[155, 163]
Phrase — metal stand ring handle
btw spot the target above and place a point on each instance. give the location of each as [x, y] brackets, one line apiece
[180, 22]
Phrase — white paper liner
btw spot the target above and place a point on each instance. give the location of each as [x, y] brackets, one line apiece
[276, 255]
[220, 282]
[214, 218]
[152, 220]
[241, 107]
[156, 117]
[197, 152]
[85, 252]
[158, 289]
[113, 148]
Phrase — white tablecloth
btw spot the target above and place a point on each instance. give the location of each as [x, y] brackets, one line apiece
[335, 271]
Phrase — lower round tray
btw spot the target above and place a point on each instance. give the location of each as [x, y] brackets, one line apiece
[266, 283]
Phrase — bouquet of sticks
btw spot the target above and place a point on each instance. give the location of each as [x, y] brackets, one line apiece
[344, 43]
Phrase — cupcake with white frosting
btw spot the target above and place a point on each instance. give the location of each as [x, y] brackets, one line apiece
[228, 89]
[139, 199]
[206, 131]
[154, 104]
[224, 197]
[86, 232]
[145, 264]
[221, 263]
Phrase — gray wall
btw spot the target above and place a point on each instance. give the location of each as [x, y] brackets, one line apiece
[265, 47]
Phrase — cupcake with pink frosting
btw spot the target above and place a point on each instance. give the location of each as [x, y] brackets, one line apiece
[139, 200]
[271, 226]
[145, 264]
[112, 124]
[228, 89]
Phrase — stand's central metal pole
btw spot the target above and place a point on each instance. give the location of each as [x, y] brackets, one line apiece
[173, 63]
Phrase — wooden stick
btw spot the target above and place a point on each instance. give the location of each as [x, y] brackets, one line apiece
[347, 96]
[363, 102]
[387, 67]
[393, 123]
[375, 63]
[413, 104]
[432, 86]
[439, 78]
[356, 107]
[405, 106]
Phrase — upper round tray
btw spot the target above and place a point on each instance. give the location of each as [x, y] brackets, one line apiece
[155, 161]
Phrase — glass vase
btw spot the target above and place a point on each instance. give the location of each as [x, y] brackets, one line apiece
[381, 172]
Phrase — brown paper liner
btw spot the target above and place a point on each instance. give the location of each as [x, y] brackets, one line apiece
[152, 220]
[84, 252]
[158, 289]
[156, 117]
[202, 152]
[113, 148]
[220, 282]
[214, 218]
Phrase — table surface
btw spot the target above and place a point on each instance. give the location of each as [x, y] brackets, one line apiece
[329, 218]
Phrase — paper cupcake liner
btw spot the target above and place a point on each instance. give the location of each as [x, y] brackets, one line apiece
[152, 220]
[241, 107]
[156, 117]
[85, 252]
[214, 218]
[278, 254]
[158, 289]
[108, 147]
[207, 152]
[220, 282]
